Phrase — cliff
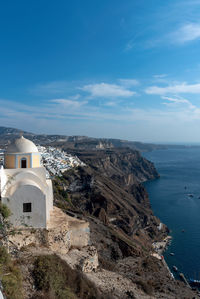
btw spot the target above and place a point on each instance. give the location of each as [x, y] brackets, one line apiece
[109, 194]
[110, 188]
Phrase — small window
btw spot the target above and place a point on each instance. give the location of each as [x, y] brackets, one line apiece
[23, 163]
[27, 207]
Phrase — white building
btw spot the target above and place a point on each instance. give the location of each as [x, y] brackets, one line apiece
[24, 187]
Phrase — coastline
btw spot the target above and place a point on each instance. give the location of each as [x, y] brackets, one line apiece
[160, 247]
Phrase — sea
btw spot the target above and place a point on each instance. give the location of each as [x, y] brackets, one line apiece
[175, 199]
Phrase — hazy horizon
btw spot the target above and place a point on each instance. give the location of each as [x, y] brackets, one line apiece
[185, 143]
[126, 70]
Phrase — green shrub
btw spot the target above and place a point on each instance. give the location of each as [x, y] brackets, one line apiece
[12, 284]
[4, 210]
[50, 276]
[56, 280]
[10, 276]
[4, 256]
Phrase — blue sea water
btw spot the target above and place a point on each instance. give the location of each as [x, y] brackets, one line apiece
[179, 171]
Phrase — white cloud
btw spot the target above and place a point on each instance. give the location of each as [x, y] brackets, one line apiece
[174, 89]
[182, 35]
[75, 97]
[160, 76]
[110, 104]
[107, 90]
[178, 101]
[69, 103]
[134, 123]
[129, 82]
[175, 100]
[186, 33]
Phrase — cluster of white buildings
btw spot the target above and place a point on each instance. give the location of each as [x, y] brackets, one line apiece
[24, 186]
[56, 161]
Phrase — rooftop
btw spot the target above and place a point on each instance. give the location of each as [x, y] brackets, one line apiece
[21, 145]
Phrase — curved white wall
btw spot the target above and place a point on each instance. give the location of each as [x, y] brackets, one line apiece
[28, 194]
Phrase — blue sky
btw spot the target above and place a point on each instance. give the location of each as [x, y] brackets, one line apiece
[122, 69]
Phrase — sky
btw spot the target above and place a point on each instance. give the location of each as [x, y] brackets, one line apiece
[102, 68]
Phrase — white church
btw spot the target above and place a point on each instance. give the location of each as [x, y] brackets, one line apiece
[24, 187]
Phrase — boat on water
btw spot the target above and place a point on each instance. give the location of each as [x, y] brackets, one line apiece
[171, 253]
[190, 195]
[194, 282]
[175, 268]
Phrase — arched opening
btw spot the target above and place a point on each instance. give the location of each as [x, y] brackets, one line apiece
[23, 163]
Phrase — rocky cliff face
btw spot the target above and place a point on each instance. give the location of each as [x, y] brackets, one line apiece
[108, 192]
[110, 188]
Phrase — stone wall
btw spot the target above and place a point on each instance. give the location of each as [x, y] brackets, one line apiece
[63, 232]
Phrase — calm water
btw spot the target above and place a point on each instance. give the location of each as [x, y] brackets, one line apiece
[178, 168]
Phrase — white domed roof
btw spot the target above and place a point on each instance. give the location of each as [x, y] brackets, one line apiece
[22, 145]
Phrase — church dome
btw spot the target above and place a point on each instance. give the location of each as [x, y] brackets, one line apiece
[22, 145]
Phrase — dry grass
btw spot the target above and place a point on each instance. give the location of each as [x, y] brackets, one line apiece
[10, 276]
[56, 280]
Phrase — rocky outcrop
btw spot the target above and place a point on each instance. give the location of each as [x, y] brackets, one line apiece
[63, 233]
[85, 260]
[125, 166]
